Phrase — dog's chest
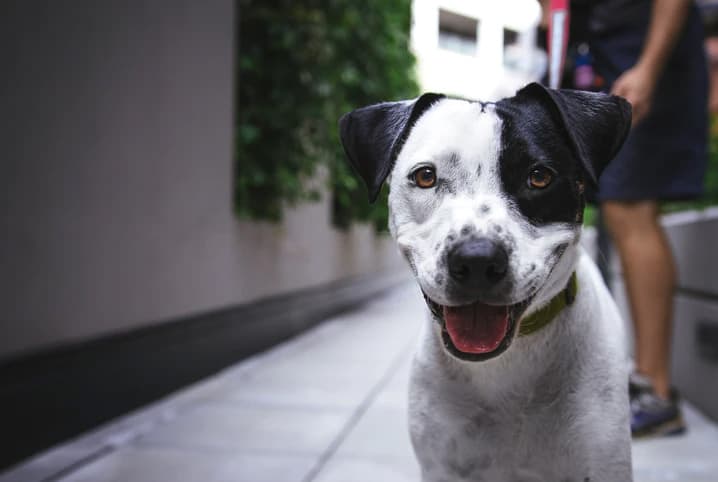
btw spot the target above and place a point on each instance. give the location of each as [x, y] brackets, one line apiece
[471, 428]
[525, 439]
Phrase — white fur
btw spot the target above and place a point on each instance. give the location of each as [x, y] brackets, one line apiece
[554, 406]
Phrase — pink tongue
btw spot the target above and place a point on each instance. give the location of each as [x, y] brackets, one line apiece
[476, 328]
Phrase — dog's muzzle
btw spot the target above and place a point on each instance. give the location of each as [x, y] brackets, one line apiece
[478, 331]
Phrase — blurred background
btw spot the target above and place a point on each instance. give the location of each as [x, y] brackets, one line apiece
[175, 199]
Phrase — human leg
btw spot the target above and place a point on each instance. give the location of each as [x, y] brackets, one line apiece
[650, 276]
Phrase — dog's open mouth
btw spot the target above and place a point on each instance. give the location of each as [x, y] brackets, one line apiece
[478, 331]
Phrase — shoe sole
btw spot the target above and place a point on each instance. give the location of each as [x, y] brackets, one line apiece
[665, 429]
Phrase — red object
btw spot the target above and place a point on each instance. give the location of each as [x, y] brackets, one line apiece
[557, 41]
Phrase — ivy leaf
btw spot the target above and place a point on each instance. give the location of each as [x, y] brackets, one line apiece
[302, 64]
[248, 133]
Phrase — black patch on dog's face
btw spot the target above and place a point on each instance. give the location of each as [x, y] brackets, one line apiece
[532, 138]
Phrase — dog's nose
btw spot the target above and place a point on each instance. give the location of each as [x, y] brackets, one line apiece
[478, 262]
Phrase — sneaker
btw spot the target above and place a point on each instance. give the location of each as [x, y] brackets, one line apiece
[652, 416]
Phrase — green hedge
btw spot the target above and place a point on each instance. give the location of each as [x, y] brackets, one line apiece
[301, 65]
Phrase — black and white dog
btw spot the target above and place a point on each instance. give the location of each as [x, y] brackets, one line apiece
[521, 372]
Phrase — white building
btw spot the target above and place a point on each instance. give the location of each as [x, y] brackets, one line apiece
[478, 49]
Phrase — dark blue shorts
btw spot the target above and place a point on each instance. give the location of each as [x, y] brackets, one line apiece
[665, 155]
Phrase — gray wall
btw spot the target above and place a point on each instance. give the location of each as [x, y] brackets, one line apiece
[116, 138]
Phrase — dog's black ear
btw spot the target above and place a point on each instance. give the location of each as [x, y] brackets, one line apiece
[597, 124]
[372, 137]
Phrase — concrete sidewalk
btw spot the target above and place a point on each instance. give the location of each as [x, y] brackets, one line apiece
[328, 406]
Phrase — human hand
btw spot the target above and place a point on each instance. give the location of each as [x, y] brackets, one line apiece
[636, 85]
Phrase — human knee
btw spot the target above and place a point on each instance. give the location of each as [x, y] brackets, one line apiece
[625, 219]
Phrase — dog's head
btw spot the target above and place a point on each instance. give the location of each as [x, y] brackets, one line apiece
[486, 199]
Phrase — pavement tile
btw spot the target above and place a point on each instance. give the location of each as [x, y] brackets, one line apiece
[376, 341]
[224, 426]
[396, 392]
[690, 457]
[369, 469]
[166, 465]
[383, 431]
[320, 383]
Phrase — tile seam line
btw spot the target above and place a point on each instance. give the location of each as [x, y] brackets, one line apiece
[77, 465]
[107, 447]
[358, 414]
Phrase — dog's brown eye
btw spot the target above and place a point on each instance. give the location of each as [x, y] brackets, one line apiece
[540, 178]
[424, 177]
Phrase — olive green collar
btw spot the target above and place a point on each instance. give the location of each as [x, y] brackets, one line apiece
[545, 315]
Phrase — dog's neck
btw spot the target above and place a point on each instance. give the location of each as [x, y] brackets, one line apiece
[548, 313]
